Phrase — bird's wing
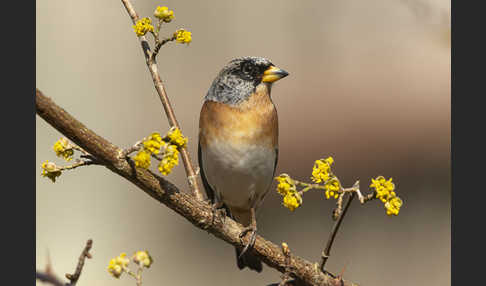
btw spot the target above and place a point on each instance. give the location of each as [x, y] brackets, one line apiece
[207, 187]
[276, 160]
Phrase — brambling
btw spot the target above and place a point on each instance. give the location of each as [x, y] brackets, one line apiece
[238, 143]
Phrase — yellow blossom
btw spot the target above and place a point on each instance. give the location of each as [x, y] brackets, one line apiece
[393, 206]
[118, 265]
[292, 201]
[142, 258]
[332, 188]
[164, 14]
[175, 137]
[285, 184]
[321, 169]
[169, 160]
[384, 189]
[63, 149]
[285, 248]
[143, 26]
[153, 143]
[142, 159]
[183, 36]
[50, 170]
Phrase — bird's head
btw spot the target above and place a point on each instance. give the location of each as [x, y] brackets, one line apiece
[240, 77]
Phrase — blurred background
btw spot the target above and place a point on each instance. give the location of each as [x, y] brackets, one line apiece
[369, 85]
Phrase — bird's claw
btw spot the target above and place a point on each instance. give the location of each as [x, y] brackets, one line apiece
[219, 207]
[252, 240]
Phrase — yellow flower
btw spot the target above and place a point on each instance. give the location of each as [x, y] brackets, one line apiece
[393, 206]
[292, 201]
[64, 149]
[153, 143]
[285, 184]
[285, 248]
[164, 14]
[175, 137]
[142, 159]
[183, 36]
[143, 26]
[321, 169]
[142, 258]
[384, 189]
[118, 265]
[332, 188]
[50, 170]
[169, 160]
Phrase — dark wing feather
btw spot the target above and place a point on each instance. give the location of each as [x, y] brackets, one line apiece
[276, 160]
[207, 187]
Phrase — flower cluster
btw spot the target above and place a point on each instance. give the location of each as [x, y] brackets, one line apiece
[332, 188]
[169, 160]
[142, 258]
[286, 187]
[142, 159]
[164, 14]
[182, 36]
[50, 170]
[143, 26]
[151, 146]
[385, 192]
[172, 142]
[153, 143]
[321, 170]
[64, 149]
[118, 265]
[321, 173]
[175, 137]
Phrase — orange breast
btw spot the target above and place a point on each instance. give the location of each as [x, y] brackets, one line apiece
[254, 121]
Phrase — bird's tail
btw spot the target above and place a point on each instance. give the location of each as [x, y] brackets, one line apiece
[248, 260]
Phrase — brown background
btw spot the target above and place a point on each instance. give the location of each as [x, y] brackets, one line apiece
[369, 85]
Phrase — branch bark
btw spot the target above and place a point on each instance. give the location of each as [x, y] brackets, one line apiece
[198, 212]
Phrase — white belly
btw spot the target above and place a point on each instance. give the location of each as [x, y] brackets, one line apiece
[239, 174]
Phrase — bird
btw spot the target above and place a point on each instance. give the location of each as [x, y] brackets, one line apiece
[238, 143]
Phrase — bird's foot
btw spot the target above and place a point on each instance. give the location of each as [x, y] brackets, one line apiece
[251, 242]
[219, 207]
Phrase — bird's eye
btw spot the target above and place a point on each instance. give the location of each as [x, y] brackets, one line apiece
[248, 68]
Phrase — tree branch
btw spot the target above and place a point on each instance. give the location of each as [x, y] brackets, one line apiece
[169, 111]
[48, 276]
[73, 278]
[198, 212]
[327, 250]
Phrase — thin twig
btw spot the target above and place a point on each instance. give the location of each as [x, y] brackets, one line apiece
[79, 163]
[48, 278]
[169, 111]
[199, 213]
[327, 250]
[73, 278]
[158, 45]
[139, 274]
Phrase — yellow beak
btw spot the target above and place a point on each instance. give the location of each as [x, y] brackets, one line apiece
[273, 73]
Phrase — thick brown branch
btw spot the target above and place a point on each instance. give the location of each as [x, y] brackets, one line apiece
[169, 111]
[197, 212]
